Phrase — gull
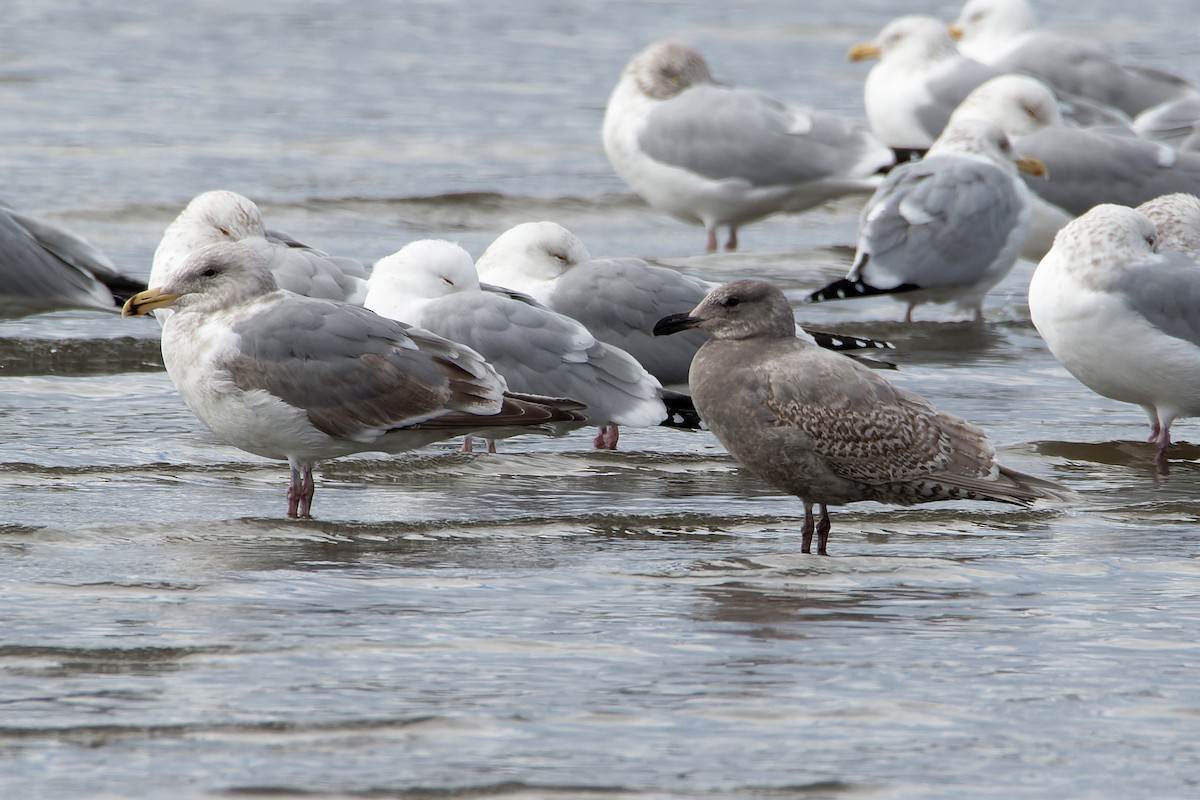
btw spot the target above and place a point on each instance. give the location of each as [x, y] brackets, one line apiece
[302, 379]
[225, 216]
[617, 299]
[722, 156]
[1086, 166]
[45, 267]
[1122, 314]
[1177, 218]
[1003, 33]
[433, 284]
[823, 427]
[944, 229]
[919, 80]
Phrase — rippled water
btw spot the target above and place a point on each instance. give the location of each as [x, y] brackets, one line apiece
[549, 621]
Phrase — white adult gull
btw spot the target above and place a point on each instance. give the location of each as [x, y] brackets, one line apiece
[433, 284]
[944, 229]
[304, 380]
[919, 80]
[1003, 34]
[1086, 166]
[823, 427]
[224, 216]
[1123, 315]
[617, 299]
[45, 267]
[722, 156]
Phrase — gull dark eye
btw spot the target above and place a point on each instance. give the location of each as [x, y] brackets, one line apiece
[210, 272]
[731, 301]
[224, 231]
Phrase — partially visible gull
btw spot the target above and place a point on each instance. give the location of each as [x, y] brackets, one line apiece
[45, 267]
[225, 216]
[722, 156]
[1177, 218]
[1086, 166]
[433, 284]
[1123, 315]
[617, 299]
[919, 80]
[1003, 33]
[304, 380]
[944, 229]
[825, 428]
[1173, 122]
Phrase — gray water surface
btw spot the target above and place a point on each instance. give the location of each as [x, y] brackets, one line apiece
[547, 622]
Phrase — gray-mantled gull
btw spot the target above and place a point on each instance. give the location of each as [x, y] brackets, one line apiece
[1122, 315]
[1003, 33]
[1086, 166]
[45, 267]
[918, 82]
[225, 216]
[433, 284]
[1177, 218]
[721, 156]
[944, 229]
[304, 380]
[823, 427]
[617, 299]
[1173, 122]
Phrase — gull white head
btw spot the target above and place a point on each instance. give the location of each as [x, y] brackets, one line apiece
[530, 256]
[1017, 103]
[666, 68]
[976, 138]
[915, 39]
[210, 217]
[988, 26]
[402, 283]
[215, 277]
[1105, 237]
[1177, 218]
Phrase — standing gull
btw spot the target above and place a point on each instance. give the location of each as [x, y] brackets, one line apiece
[434, 284]
[1122, 315]
[45, 267]
[944, 229]
[303, 380]
[1002, 33]
[722, 156]
[919, 80]
[821, 426]
[617, 299]
[224, 216]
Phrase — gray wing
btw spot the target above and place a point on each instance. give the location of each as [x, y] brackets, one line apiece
[542, 352]
[313, 273]
[727, 133]
[620, 299]
[947, 89]
[1085, 168]
[356, 374]
[1083, 68]
[937, 222]
[44, 267]
[1166, 292]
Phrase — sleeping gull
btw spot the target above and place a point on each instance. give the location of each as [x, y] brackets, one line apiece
[1086, 166]
[225, 216]
[1177, 218]
[824, 428]
[944, 229]
[303, 380]
[617, 299]
[1122, 315]
[45, 267]
[433, 284]
[721, 156]
[1002, 33]
[919, 80]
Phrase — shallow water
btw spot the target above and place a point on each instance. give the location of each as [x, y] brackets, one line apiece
[549, 621]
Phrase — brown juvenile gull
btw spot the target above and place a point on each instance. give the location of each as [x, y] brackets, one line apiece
[303, 379]
[823, 427]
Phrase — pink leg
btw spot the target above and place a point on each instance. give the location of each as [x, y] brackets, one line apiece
[491, 446]
[731, 243]
[711, 245]
[307, 488]
[293, 493]
[606, 438]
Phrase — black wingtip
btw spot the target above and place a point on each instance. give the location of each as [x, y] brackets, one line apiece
[681, 411]
[123, 288]
[840, 342]
[845, 289]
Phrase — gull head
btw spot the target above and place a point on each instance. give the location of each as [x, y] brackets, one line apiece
[914, 38]
[421, 271]
[979, 138]
[998, 19]
[666, 68]
[1177, 217]
[1017, 103]
[742, 309]
[530, 256]
[216, 276]
[1107, 236]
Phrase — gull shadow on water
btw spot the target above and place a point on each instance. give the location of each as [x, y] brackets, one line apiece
[1133, 456]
